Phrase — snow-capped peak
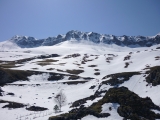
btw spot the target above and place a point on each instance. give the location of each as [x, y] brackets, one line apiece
[129, 41]
[158, 33]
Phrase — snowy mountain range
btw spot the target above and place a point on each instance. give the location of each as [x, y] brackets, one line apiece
[104, 77]
[130, 41]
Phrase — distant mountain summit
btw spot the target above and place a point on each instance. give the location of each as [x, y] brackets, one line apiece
[130, 41]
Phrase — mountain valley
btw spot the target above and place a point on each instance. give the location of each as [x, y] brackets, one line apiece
[102, 76]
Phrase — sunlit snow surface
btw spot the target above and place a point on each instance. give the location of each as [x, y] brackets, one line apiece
[28, 92]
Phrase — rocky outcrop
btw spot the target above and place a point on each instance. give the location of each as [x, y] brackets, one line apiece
[131, 105]
[79, 113]
[118, 78]
[153, 76]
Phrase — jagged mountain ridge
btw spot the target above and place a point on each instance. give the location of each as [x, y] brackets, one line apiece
[130, 41]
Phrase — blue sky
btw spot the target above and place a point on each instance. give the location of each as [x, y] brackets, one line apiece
[44, 18]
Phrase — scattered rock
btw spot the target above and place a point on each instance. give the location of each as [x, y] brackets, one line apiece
[127, 57]
[92, 87]
[126, 64]
[72, 56]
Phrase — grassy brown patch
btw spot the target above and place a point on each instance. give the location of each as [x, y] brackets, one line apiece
[50, 69]
[8, 76]
[44, 63]
[34, 68]
[61, 64]
[9, 65]
[49, 60]
[81, 67]
[60, 70]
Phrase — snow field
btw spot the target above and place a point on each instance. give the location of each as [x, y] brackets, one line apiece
[38, 89]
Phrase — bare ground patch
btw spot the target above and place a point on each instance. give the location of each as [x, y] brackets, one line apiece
[81, 67]
[77, 64]
[127, 64]
[92, 65]
[74, 82]
[36, 108]
[127, 57]
[74, 71]
[72, 56]
[157, 58]
[110, 57]
[49, 60]
[43, 63]
[13, 105]
[96, 70]
[9, 65]
[97, 73]
[60, 70]
[50, 69]
[61, 64]
[35, 68]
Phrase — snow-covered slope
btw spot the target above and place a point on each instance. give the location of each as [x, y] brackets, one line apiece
[8, 45]
[107, 64]
[103, 57]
